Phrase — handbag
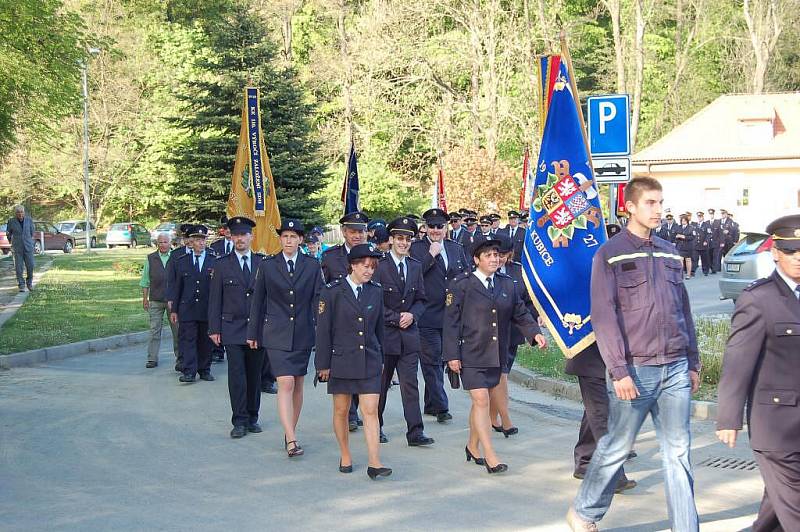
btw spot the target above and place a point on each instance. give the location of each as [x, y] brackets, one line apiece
[455, 381]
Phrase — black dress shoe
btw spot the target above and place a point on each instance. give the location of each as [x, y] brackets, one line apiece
[631, 454]
[255, 428]
[151, 364]
[352, 426]
[269, 388]
[384, 439]
[359, 422]
[345, 468]
[238, 432]
[509, 432]
[443, 417]
[375, 472]
[207, 376]
[186, 378]
[499, 468]
[478, 460]
[625, 484]
[178, 368]
[30, 288]
[420, 441]
[21, 288]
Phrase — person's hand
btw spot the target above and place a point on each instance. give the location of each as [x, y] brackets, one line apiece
[728, 437]
[454, 365]
[626, 389]
[173, 318]
[406, 319]
[540, 341]
[145, 303]
[252, 344]
[435, 249]
[323, 375]
[216, 338]
[695, 378]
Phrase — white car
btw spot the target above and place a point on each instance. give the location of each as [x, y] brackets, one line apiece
[77, 230]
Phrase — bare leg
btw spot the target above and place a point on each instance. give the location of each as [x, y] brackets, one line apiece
[297, 399]
[494, 412]
[285, 392]
[480, 424]
[368, 403]
[472, 441]
[498, 400]
[341, 407]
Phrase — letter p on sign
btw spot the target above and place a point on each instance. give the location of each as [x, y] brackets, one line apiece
[609, 125]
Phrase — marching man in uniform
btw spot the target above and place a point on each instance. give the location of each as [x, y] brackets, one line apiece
[761, 367]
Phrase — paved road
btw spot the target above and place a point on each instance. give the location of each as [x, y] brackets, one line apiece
[704, 295]
[98, 442]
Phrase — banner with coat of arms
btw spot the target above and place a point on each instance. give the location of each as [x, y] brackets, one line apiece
[566, 223]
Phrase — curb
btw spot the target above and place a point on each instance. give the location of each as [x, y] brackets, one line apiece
[60, 352]
[701, 410]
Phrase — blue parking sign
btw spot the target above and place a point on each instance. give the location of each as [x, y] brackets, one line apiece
[609, 125]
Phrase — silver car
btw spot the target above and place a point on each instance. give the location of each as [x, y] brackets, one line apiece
[77, 230]
[748, 260]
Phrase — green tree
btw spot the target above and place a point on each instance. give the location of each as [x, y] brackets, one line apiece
[240, 51]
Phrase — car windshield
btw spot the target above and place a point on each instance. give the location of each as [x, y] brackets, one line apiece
[119, 227]
[749, 244]
[166, 226]
[65, 227]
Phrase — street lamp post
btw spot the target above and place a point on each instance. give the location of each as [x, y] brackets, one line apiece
[86, 199]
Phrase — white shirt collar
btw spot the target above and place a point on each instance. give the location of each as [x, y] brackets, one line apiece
[397, 260]
[353, 285]
[288, 258]
[792, 285]
[240, 255]
[479, 274]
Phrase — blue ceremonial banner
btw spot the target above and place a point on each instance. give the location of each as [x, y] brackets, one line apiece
[566, 224]
[350, 188]
[254, 143]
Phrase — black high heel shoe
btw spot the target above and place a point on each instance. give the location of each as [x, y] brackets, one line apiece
[509, 432]
[478, 460]
[499, 468]
[345, 468]
[498, 429]
[375, 472]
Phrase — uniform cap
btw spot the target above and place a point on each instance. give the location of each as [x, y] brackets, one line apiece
[494, 217]
[485, 244]
[199, 230]
[361, 251]
[240, 225]
[185, 229]
[513, 214]
[377, 222]
[223, 219]
[434, 216]
[785, 232]
[612, 229]
[455, 216]
[403, 226]
[470, 219]
[355, 220]
[505, 243]
[381, 235]
[291, 225]
[486, 220]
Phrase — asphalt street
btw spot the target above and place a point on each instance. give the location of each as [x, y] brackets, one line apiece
[98, 442]
[704, 295]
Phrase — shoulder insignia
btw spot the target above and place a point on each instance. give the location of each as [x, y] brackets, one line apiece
[332, 248]
[376, 283]
[333, 283]
[321, 306]
[448, 300]
[270, 257]
[503, 275]
[757, 283]
[256, 253]
[412, 259]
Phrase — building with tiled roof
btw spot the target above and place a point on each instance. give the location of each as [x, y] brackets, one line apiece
[740, 153]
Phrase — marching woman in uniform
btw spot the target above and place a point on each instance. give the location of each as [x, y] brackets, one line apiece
[479, 310]
[349, 352]
[285, 295]
[684, 241]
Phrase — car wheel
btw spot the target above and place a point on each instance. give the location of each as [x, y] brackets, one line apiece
[110, 246]
[68, 246]
[93, 242]
[133, 244]
[37, 247]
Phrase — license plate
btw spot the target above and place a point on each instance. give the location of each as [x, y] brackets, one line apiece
[734, 268]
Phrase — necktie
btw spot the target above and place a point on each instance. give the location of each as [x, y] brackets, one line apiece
[245, 267]
[797, 291]
[227, 247]
[512, 234]
[402, 272]
[490, 285]
[358, 292]
[197, 263]
[291, 267]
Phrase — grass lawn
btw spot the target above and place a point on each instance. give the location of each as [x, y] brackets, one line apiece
[81, 297]
[712, 334]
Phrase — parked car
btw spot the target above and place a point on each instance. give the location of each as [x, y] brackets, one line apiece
[5, 245]
[748, 260]
[171, 230]
[127, 234]
[77, 230]
[46, 237]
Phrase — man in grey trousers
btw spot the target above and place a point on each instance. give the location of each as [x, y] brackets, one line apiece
[20, 232]
[154, 299]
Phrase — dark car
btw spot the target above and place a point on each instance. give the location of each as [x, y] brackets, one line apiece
[46, 237]
[748, 260]
[610, 168]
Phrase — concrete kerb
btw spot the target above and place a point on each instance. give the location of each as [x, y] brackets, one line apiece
[701, 410]
[60, 352]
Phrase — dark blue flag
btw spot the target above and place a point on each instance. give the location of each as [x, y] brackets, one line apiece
[566, 224]
[350, 188]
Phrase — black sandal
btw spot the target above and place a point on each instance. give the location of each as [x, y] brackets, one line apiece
[294, 451]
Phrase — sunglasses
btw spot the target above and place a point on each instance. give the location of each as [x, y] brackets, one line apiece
[436, 226]
[485, 225]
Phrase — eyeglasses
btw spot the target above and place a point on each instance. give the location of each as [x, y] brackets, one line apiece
[436, 226]
[485, 225]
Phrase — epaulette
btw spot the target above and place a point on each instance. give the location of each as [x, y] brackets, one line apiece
[335, 282]
[332, 248]
[501, 274]
[270, 257]
[515, 262]
[413, 259]
[376, 283]
[757, 283]
[262, 255]
[460, 277]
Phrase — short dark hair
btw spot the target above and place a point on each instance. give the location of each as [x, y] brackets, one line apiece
[638, 185]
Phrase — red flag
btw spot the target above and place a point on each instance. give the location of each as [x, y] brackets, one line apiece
[441, 197]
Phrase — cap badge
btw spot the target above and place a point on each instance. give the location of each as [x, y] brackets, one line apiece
[797, 233]
[405, 220]
[291, 224]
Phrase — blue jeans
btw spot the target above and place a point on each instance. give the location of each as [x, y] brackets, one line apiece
[664, 393]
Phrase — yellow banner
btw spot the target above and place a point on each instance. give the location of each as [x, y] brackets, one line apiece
[244, 192]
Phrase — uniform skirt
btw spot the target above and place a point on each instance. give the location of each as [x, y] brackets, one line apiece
[288, 363]
[473, 378]
[354, 386]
